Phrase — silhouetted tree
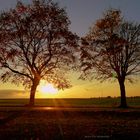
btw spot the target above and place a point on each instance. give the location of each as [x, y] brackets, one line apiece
[112, 50]
[35, 44]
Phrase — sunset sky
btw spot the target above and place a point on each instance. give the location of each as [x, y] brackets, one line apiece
[83, 14]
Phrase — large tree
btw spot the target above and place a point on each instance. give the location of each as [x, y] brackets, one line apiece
[112, 50]
[35, 44]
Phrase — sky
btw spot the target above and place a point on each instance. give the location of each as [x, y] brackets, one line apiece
[83, 14]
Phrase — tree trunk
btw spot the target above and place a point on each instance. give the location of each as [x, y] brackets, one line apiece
[123, 94]
[33, 91]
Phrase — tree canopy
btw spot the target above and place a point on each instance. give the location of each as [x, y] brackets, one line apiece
[35, 44]
[111, 50]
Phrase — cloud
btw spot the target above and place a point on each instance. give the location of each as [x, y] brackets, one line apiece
[13, 94]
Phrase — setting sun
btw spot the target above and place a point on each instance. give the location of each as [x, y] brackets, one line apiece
[47, 88]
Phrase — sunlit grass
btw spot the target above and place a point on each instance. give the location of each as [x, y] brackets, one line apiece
[91, 102]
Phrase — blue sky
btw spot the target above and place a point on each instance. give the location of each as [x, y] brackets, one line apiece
[84, 13]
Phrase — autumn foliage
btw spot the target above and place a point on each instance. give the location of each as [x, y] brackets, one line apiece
[35, 44]
[111, 50]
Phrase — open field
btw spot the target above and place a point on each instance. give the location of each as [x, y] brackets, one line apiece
[89, 102]
[78, 119]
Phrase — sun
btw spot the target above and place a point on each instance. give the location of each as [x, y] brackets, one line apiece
[47, 88]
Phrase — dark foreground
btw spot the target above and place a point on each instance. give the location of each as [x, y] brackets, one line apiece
[19, 123]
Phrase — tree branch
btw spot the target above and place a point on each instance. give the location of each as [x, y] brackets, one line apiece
[17, 72]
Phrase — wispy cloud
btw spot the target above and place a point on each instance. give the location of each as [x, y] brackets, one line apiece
[13, 93]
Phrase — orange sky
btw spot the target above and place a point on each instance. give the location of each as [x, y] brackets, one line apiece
[80, 89]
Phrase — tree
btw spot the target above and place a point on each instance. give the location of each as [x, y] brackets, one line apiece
[35, 44]
[112, 50]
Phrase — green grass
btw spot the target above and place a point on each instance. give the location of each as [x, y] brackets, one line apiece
[91, 102]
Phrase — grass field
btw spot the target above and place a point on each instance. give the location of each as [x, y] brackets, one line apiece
[89, 102]
[69, 119]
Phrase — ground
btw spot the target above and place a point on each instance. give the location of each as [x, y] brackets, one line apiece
[69, 119]
[60, 123]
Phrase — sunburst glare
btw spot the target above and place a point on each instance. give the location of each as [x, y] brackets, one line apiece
[47, 88]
